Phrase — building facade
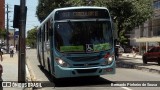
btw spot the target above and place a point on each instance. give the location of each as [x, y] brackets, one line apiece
[148, 34]
[2, 14]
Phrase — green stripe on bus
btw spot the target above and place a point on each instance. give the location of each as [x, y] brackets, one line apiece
[71, 48]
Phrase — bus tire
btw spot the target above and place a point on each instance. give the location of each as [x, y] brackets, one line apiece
[49, 67]
[39, 59]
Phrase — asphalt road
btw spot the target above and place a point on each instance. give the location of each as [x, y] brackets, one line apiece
[124, 77]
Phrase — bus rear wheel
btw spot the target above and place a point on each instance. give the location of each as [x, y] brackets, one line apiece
[49, 69]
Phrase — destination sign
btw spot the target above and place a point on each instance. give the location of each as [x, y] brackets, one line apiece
[81, 14]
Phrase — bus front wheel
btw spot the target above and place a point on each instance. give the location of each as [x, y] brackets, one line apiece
[49, 69]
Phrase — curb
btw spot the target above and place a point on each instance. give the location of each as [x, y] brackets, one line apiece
[148, 69]
[122, 64]
[28, 77]
[31, 74]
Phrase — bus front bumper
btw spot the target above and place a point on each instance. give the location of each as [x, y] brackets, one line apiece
[61, 72]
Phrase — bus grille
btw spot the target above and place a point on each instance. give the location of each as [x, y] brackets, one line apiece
[90, 58]
[84, 65]
[86, 70]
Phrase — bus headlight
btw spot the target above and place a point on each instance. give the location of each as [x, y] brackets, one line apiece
[108, 60]
[61, 62]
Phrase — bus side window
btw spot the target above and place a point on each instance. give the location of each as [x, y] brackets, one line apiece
[50, 30]
[47, 31]
[44, 31]
[40, 35]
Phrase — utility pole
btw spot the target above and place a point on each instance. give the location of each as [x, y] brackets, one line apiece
[22, 45]
[7, 31]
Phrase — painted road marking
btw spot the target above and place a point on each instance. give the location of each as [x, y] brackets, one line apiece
[126, 88]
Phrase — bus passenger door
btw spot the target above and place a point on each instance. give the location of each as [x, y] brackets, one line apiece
[46, 46]
[39, 46]
[51, 46]
[42, 47]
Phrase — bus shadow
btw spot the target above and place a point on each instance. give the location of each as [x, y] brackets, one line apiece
[77, 81]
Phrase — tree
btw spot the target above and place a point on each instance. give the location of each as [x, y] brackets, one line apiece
[45, 7]
[31, 38]
[126, 14]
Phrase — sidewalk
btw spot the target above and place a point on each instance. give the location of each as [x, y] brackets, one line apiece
[127, 60]
[10, 70]
[130, 55]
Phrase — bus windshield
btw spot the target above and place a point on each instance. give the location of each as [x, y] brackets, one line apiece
[83, 36]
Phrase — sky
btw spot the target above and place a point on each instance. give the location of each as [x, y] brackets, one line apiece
[31, 21]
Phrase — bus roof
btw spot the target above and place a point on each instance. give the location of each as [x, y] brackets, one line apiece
[70, 8]
[80, 7]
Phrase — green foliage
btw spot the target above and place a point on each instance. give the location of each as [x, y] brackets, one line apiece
[45, 7]
[130, 13]
[31, 38]
[122, 38]
[127, 14]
